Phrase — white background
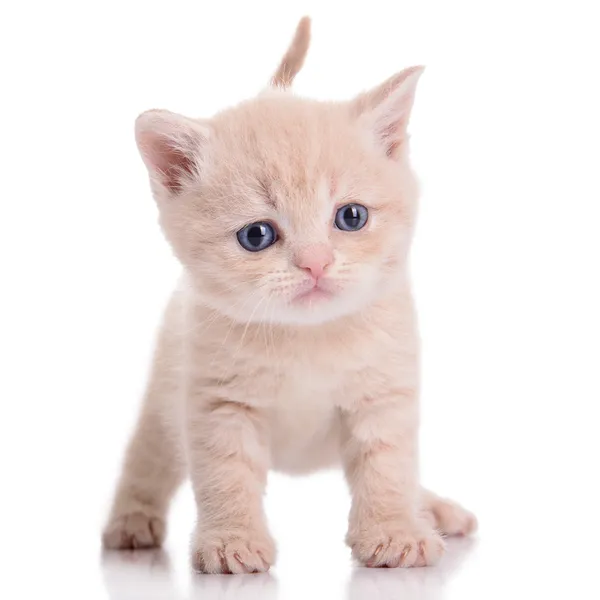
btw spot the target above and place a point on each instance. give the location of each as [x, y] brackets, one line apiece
[506, 135]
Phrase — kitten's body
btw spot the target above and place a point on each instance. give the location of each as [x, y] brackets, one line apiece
[298, 357]
[300, 376]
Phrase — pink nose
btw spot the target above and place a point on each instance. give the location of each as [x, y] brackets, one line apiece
[315, 259]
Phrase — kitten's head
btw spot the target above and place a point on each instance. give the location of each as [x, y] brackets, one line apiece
[284, 209]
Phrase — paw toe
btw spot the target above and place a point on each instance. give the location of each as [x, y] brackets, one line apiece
[136, 530]
[233, 555]
[398, 547]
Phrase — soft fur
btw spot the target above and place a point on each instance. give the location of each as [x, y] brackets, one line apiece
[250, 376]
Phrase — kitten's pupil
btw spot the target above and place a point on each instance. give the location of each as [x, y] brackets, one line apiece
[256, 234]
[352, 216]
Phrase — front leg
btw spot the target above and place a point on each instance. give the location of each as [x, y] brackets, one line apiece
[228, 455]
[386, 526]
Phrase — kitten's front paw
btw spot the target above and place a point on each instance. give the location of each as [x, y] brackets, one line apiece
[396, 544]
[233, 551]
[134, 530]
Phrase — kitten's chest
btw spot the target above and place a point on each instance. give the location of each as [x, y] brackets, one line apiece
[307, 384]
[293, 381]
[311, 369]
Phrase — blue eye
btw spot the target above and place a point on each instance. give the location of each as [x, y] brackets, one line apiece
[257, 236]
[351, 217]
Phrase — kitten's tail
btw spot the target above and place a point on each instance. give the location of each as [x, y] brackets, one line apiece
[293, 59]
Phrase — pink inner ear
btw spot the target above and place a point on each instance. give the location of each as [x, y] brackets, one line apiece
[167, 158]
[392, 136]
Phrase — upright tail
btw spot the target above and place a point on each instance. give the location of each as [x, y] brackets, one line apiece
[293, 59]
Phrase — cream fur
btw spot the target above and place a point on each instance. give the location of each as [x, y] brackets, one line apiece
[248, 378]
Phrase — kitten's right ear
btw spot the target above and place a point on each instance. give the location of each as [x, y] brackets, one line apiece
[385, 110]
[172, 147]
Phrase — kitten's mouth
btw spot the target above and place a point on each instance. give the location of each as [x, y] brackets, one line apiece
[314, 294]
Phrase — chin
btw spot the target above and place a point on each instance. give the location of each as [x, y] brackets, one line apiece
[320, 309]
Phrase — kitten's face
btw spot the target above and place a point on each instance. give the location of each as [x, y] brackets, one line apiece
[287, 211]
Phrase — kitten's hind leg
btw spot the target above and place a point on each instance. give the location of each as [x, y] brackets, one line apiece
[447, 516]
[154, 466]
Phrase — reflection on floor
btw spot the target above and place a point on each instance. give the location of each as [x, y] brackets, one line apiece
[148, 574]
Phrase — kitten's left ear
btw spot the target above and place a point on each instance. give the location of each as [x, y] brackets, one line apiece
[385, 110]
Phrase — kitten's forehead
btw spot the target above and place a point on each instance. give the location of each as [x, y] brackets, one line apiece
[290, 139]
[286, 153]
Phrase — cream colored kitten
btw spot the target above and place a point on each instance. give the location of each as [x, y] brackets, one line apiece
[291, 342]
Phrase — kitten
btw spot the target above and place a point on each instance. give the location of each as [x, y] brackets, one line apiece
[291, 342]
